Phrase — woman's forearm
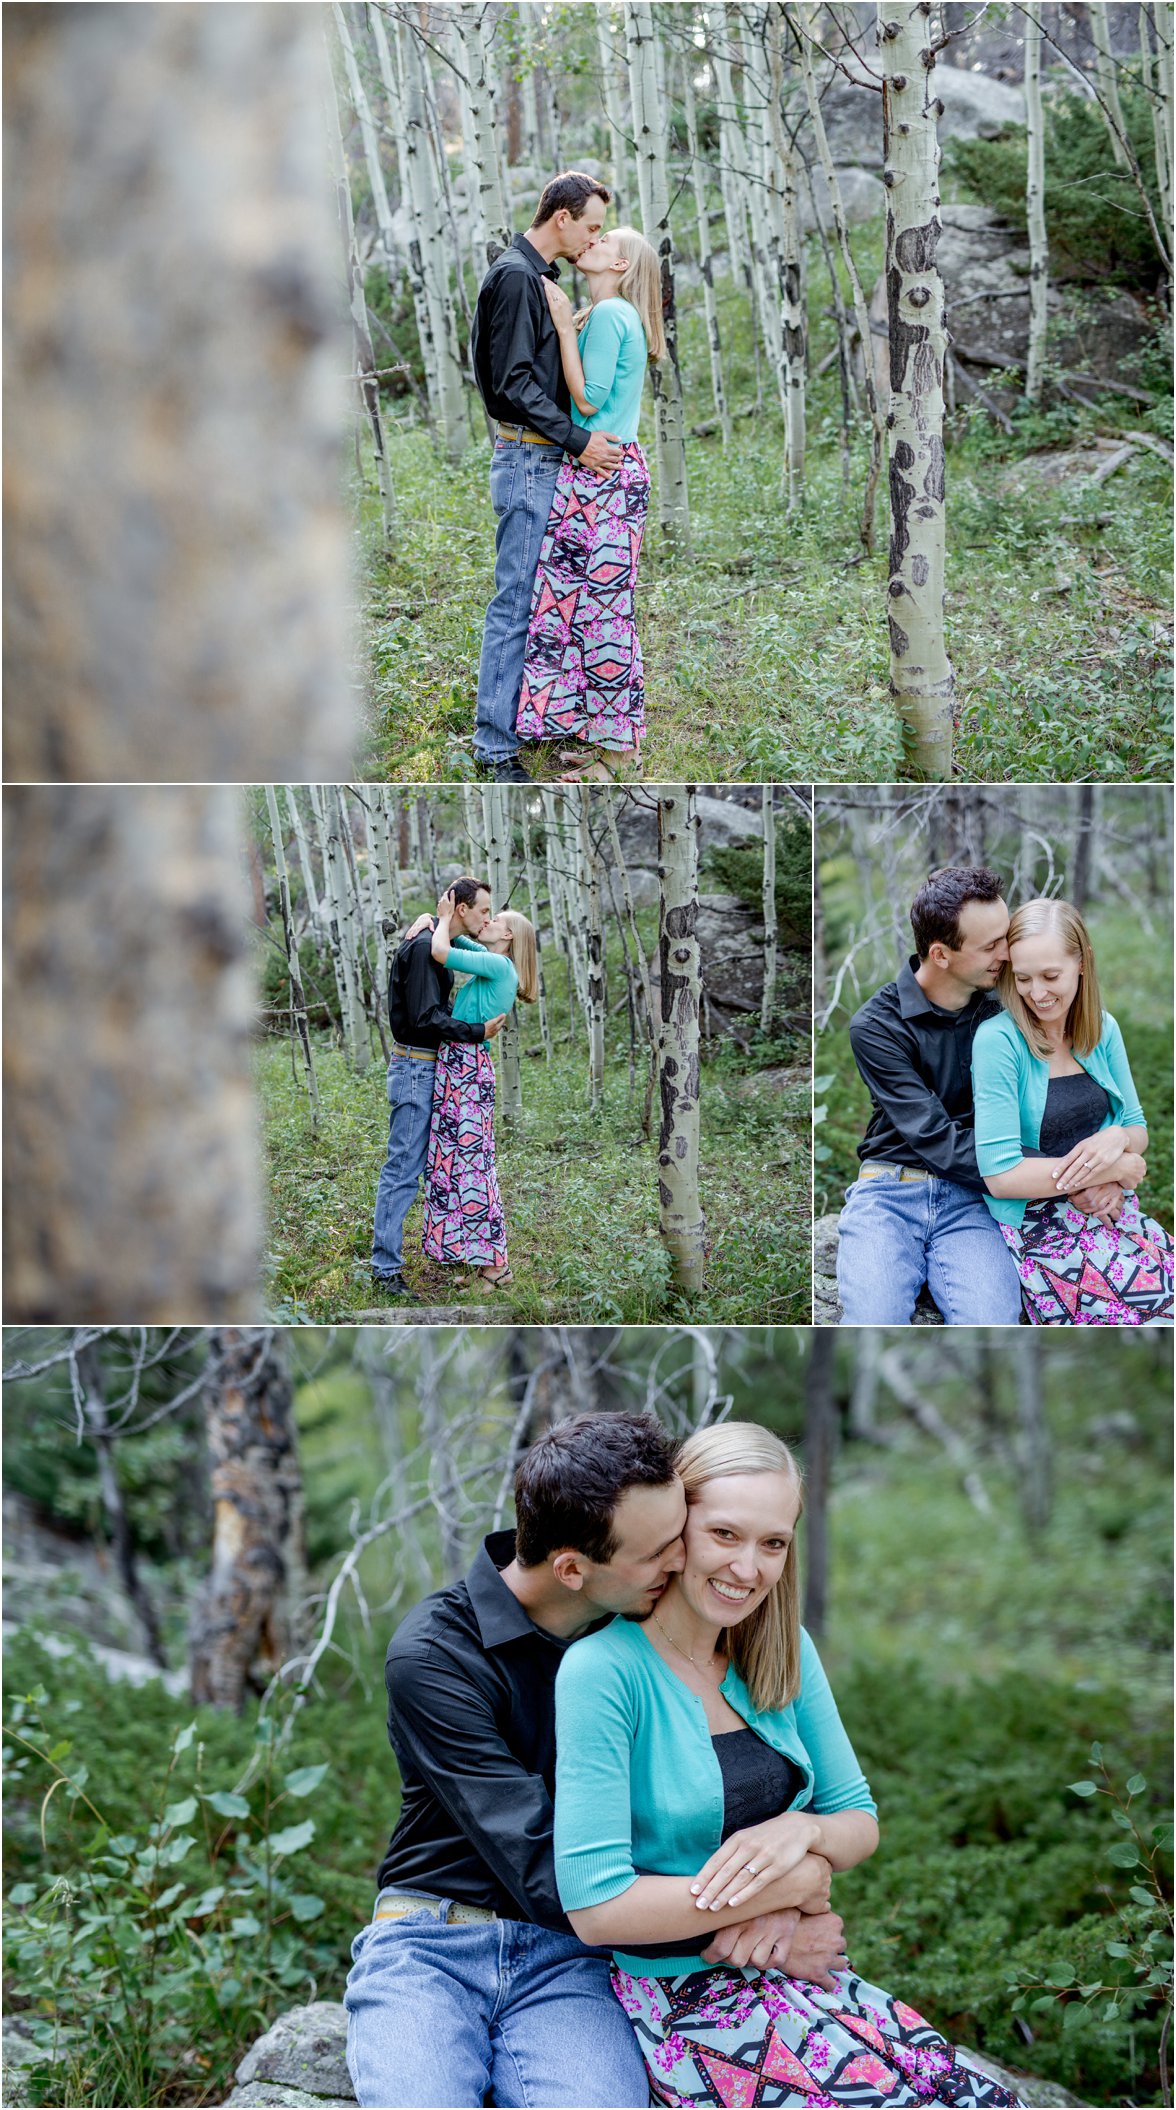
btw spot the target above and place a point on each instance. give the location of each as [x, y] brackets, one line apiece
[573, 366]
[847, 1837]
[1035, 1179]
[662, 1908]
[440, 947]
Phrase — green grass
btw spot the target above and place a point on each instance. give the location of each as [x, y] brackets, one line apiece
[766, 655]
[579, 1190]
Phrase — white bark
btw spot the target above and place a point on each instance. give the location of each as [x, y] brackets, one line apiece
[481, 149]
[297, 994]
[1035, 207]
[649, 124]
[1107, 76]
[334, 891]
[769, 907]
[614, 111]
[763, 276]
[367, 975]
[427, 253]
[733, 174]
[496, 821]
[390, 77]
[1158, 86]
[365, 358]
[594, 949]
[921, 678]
[861, 313]
[532, 133]
[680, 1211]
[384, 855]
[533, 905]
[781, 177]
[305, 861]
[705, 259]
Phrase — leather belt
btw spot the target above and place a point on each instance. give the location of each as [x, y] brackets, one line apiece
[874, 1171]
[398, 1904]
[522, 432]
[418, 1054]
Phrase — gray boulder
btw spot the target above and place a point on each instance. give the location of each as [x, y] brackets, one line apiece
[975, 106]
[300, 2061]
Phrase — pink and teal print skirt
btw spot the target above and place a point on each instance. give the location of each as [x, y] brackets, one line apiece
[583, 678]
[757, 2037]
[463, 1207]
[1077, 1272]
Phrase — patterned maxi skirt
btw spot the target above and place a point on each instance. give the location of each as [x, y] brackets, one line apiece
[583, 678]
[756, 2037]
[1078, 1272]
[463, 1207]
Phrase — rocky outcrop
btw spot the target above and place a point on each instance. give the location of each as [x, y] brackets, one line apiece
[301, 2063]
[826, 1302]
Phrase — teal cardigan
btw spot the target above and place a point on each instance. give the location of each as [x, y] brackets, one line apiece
[1009, 1084]
[638, 1788]
[493, 985]
[614, 356]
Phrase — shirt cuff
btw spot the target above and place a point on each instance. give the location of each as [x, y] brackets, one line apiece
[577, 439]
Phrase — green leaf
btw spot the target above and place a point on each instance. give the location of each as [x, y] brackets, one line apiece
[227, 1991]
[178, 1813]
[1044, 2005]
[1117, 1948]
[1123, 1854]
[182, 1739]
[1141, 1896]
[1121, 1818]
[1096, 1754]
[1088, 1991]
[59, 1751]
[1159, 1974]
[168, 1897]
[176, 1849]
[1110, 2010]
[1083, 1787]
[1136, 1784]
[246, 1925]
[305, 1906]
[22, 1893]
[1072, 2014]
[1062, 1979]
[305, 1779]
[227, 1805]
[1162, 1834]
[293, 1838]
[206, 1902]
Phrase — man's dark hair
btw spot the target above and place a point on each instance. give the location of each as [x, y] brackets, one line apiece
[466, 891]
[569, 1483]
[935, 910]
[569, 193]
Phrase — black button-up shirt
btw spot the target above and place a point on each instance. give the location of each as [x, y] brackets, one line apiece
[916, 1061]
[514, 347]
[419, 989]
[471, 1718]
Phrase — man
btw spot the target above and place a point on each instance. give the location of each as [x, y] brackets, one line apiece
[469, 1981]
[517, 366]
[419, 992]
[917, 1213]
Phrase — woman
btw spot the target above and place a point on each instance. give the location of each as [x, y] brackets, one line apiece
[1056, 1111]
[701, 1767]
[583, 677]
[464, 1220]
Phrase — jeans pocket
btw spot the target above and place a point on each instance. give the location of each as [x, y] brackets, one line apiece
[503, 471]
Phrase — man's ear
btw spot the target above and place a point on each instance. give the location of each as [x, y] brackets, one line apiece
[569, 1569]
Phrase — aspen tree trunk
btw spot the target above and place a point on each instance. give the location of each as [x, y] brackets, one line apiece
[733, 167]
[641, 962]
[1035, 208]
[365, 358]
[769, 904]
[444, 180]
[248, 1618]
[861, 314]
[1106, 74]
[614, 110]
[365, 971]
[91, 1394]
[921, 678]
[764, 277]
[820, 1436]
[1158, 87]
[482, 156]
[789, 265]
[650, 128]
[473, 197]
[130, 1170]
[705, 259]
[297, 994]
[1035, 1460]
[350, 1002]
[495, 811]
[177, 555]
[556, 896]
[383, 838]
[427, 252]
[683, 1231]
[305, 862]
[393, 90]
[533, 905]
[575, 896]
[532, 138]
[428, 844]
[594, 952]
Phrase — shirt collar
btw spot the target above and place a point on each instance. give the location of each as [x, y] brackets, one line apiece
[914, 1002]
[497, 1610]
[531, 256]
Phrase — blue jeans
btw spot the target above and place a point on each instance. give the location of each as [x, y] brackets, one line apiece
[897, 1234]
[522, 486]
[410, 1097]
[446, 2015]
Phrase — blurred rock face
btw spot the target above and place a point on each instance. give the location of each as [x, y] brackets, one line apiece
[130, 1179]
[176, 548]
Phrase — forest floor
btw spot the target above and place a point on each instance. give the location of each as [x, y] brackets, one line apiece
[766, 654]
[1136, 994]
[579, 1190]
[972, 1704]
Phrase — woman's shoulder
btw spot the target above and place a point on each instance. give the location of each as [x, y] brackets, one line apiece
[1000, 1030]
[611, 1653]
[1111, 1029]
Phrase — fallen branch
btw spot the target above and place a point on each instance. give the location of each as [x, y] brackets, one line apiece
[973, 386]
[898, 1381]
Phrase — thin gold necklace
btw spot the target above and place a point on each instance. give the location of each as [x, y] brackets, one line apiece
[684, 1651]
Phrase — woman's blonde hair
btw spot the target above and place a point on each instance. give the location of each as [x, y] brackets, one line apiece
[641, 287]
[764, 1647]
[524, 952]
[1084, 1019]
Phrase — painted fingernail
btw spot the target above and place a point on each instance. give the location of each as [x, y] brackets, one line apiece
[694, 1890]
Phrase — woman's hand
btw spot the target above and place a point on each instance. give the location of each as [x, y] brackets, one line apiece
[561, 307]
[446, 906]
[1089, 1162]
[748, 1860]
[495, 1025]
